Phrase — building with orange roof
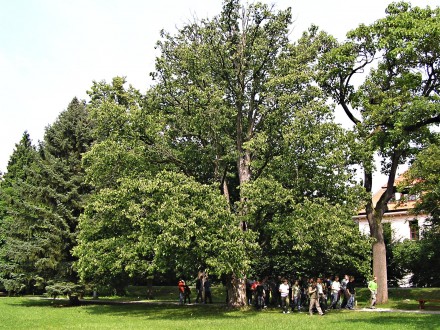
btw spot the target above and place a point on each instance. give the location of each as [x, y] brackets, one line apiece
[404, 225]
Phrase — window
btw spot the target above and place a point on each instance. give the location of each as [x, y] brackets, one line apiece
[414, 230]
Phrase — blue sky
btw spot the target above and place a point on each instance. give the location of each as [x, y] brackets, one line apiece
[52, 50]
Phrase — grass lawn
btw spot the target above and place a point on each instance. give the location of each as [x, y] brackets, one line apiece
[38, 313]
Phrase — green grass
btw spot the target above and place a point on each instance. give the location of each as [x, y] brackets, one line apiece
[38, 313]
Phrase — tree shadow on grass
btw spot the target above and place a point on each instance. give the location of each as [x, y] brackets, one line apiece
[38, 302]
[170, 312]
[152, 310]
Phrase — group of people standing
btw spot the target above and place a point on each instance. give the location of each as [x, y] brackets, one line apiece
[203, 288]
[318, 294]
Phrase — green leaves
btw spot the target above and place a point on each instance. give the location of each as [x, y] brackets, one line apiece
[159, 223]
[305, 238]
[423, 179]
[41, 198]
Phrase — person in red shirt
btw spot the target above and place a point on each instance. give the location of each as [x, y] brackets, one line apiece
[181, 286]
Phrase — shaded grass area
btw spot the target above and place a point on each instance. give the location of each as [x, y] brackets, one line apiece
[37, 313]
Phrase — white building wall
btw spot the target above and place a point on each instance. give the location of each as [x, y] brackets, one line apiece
[400, 226]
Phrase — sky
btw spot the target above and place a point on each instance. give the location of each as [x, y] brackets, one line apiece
[52, 50]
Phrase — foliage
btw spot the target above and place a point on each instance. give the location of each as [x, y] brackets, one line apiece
[212, 88]
[310, 237]
[422, 258]
[235, 110]
[20, 212]
[68, 289]
[423, 179]
[236, 132]
[149, 225]
[396, 270]
[42, 199]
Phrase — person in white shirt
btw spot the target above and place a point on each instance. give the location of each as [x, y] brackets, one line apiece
[344, 283]
[336, 287]
[284, 291]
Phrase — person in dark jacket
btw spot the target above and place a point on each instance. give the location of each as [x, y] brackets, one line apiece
[351, 293]
[207, 287]
[199, 289]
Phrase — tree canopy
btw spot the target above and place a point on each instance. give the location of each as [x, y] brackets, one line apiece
[235, 112]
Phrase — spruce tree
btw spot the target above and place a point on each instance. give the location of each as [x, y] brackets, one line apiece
[42, 201]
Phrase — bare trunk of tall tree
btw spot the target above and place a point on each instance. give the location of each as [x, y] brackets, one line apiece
[374, 215]
[380, 266]
[236, 285]
[236, 289]
[379, 250]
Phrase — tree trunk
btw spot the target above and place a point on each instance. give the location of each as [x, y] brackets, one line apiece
[244, 171]
[236, 289]
[150, 287]
[374, 216]
[236, 286]
[380, 263]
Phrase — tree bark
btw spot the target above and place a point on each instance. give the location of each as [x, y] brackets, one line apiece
[235, 285]
[380, 263]
[236, 289]
[374, 215]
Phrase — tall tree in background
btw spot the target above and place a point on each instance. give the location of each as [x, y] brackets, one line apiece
[43, 203]
[65, 142]
[394, 108]
[235, 111]
[244, 104]
[302, 202]
[212, 87]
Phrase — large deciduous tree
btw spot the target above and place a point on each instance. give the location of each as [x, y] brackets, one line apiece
[395, 106]
[235, 107]
[155, 224]
[212, 85]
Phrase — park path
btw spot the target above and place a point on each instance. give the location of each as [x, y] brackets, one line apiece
[391, 310]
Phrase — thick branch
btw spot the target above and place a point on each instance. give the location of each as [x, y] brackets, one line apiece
[388, 193]
[414, 127]
[348, 112]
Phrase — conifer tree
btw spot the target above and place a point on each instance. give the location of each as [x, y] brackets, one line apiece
[42, 195]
